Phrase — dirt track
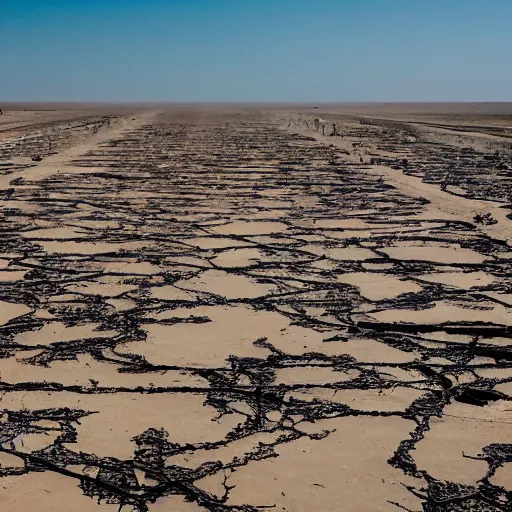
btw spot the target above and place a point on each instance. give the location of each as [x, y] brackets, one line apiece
[221, 310]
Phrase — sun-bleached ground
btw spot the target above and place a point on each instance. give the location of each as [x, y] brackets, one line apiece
[246, 309]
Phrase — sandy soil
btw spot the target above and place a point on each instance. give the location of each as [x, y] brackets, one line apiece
[248, 308]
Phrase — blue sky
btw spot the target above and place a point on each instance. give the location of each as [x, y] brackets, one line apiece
[256, 50]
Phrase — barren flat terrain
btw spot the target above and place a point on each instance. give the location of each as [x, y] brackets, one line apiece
[248, 308]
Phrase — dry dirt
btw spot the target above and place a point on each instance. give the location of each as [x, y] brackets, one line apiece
[248, 308]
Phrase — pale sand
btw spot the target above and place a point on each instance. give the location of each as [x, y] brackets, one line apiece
[56, 332]
[309, 484]
[342, 253]
[226, 454]
[231, 286]
[379, 286]
[460, 279]
[210, 344]
[69, 247]
[445, 312]
[172, 293]
[236, 258]
[240, 272]
[54, 233]
[110, 437]
[463, 430]
[372, 351]
[242, 228]
[503, 477]
[85, 370]
[390, 400]
[206, 243]
[12, 275]
[47, 491]
[313, 376]
[106, 286]
[436, 254]
[10, 311]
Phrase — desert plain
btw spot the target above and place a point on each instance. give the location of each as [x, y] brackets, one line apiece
[249, 308]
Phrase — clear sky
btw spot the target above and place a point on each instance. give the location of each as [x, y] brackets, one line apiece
[256, 50]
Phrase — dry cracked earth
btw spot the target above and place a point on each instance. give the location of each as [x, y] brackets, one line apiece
[222, 310]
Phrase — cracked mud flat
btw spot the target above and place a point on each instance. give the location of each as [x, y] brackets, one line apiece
[203, 310]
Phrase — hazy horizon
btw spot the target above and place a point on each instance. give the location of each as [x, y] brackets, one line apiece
[200, 51]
